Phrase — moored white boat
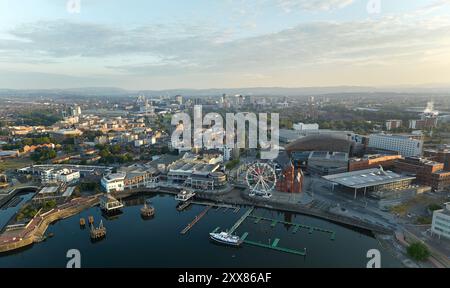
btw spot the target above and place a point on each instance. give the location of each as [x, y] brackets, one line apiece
[226, 238]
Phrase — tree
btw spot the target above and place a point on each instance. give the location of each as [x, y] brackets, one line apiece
[69, 148]
[434, 207]
[418, 251]
[43, 154]
[116, 149]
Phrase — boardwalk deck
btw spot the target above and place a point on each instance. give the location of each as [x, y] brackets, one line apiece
[196, 219]
[276, 247]
[242, 219]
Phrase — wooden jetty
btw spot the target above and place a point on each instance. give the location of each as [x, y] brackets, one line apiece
[296, 226]
[273, 246]
[196, 219]
[242, 219]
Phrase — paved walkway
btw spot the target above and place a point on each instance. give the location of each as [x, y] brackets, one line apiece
[32, 227]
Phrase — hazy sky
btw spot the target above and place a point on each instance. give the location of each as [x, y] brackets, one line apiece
[159, 44]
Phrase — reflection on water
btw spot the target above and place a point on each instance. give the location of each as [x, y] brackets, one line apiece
[134, 242]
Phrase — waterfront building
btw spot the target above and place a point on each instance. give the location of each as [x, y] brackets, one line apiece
[406, 145]
[140, 176]
[441, 222]
[181, 170]
[289, 177]
[109, 204]
[114, 182]
[206, 181]
[376, 182]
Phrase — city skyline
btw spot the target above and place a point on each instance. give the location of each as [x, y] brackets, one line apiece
[225, 44]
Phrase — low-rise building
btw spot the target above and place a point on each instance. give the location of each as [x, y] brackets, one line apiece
[424, 123]
[440, 181]
[209, 181]
[5, 154]
[326, 163]
[441, 222]
[377, 182]
[114, 182]
[372, 161]
[53, 174]
[422, 168]
[32, 148]
[57, 193]
[441, 155]
[139, 176]
[303, 126]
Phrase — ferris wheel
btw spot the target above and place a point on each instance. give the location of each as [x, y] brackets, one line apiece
[261, 178]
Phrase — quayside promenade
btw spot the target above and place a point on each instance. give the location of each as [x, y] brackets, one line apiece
[34, 231]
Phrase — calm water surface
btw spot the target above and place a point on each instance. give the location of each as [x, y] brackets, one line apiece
[134, 242]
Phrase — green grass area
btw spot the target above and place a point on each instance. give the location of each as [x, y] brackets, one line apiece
[28, 211]
[401, 209]
[14, 163]
[424, 220]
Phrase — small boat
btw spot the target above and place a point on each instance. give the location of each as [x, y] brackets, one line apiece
[183, 205]
[226, 238]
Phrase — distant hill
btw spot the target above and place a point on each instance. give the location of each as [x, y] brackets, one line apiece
[257, 91]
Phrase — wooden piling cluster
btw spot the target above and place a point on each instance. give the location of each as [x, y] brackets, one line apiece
[99, 232]
[147, 211]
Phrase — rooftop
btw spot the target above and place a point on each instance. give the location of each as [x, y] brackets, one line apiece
[115, 176]
[48, 190]
[366, 178]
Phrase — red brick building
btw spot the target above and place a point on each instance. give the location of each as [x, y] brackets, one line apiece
[372, 161]
[428, 172]
[290, 179]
